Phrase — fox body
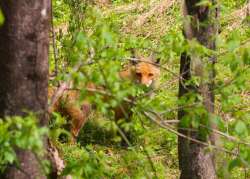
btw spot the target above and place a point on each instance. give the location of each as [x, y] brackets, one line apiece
[144, 72]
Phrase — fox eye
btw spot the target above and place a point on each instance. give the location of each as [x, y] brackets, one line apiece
[138, 74]
[150, 74]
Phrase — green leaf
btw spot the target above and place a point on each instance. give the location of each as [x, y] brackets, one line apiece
[234, 163]
[232, 45]
[1, 17]
[10, 157]
[185, 121]
[246, 57]
[240, 128]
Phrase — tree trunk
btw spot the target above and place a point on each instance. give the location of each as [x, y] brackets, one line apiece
[194, 161]
[24, 42]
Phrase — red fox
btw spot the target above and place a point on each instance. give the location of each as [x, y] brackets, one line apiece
[146, 71]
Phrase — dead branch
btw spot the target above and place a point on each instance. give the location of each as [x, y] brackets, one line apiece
[57, 94]
[228, 137]
[57, 159]
[58, 162]
[167, 126]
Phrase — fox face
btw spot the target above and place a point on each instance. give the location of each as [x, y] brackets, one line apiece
[146, 72]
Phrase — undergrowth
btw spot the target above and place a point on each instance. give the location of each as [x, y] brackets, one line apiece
[98, 153]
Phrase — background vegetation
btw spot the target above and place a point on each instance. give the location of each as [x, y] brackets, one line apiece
[98, 38]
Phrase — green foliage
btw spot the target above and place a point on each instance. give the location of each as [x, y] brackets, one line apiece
[59, 128]
[1, 17]
[84, 162]
[20, 133]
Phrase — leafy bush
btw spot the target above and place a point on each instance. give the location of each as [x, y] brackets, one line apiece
[20, 133]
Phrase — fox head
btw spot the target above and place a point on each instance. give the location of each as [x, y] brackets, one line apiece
[146, 71]
[143, 71]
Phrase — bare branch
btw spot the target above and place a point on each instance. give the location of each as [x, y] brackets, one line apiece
[169, 127]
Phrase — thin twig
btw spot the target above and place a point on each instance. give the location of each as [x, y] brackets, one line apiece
[169, 127]
[231, 138]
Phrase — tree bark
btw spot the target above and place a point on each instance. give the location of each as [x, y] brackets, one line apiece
[194, 161]
[24, 42]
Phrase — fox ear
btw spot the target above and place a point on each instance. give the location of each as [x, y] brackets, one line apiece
[157, 61]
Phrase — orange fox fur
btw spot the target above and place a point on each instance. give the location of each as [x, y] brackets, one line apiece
[144, 72]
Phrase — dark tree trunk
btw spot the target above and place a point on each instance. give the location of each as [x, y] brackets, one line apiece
[24, 42]
[194, 161]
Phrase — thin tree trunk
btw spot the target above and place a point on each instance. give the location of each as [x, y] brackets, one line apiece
[194, 161]
[24, 42]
